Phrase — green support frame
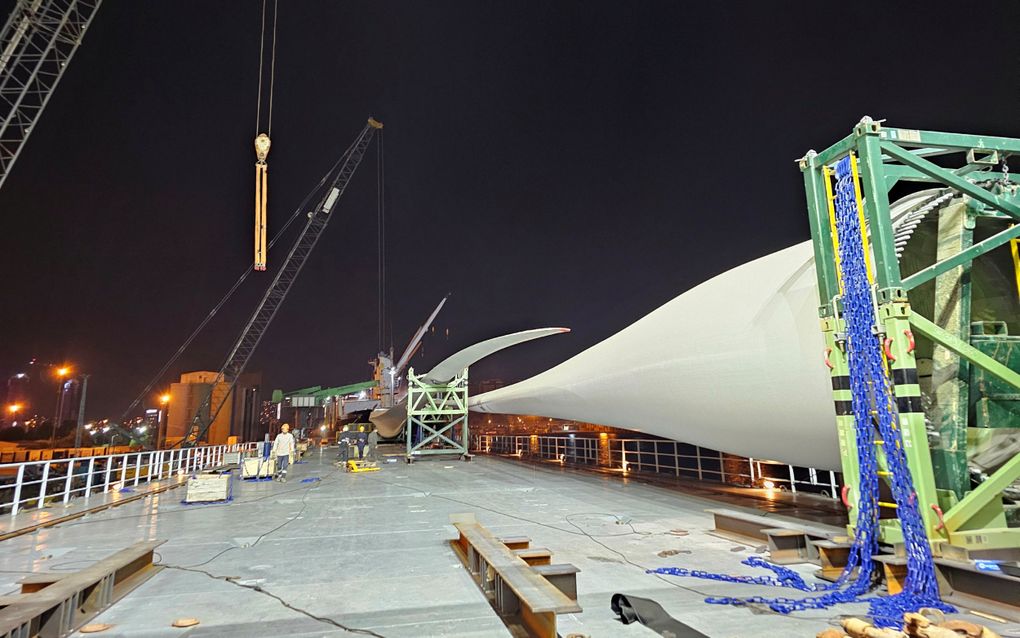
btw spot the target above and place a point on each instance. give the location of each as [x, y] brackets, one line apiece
[887, 156]
[437, 417]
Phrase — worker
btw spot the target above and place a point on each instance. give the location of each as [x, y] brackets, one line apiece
[373, 442]
[361, 442]
[283, 447]
[345, 449]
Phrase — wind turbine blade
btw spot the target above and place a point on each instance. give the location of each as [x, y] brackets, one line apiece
[416, 339]
[453, 365]
[390, 421]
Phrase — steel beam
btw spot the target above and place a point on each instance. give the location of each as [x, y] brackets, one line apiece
[895, 173]
[964, 349]
[836, 151]
[959, 141]
[818, 218]
[876, 208]
[951, 179]
[964, 256]
[959, 515]
[54, 605]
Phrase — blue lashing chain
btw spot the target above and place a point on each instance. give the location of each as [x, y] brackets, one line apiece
[872, 407]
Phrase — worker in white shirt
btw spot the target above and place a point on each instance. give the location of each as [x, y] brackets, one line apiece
[283, 447]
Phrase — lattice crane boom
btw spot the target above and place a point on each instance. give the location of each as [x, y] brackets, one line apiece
[36, 45]
[275, 294]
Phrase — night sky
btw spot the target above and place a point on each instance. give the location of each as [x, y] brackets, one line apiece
[549, 163]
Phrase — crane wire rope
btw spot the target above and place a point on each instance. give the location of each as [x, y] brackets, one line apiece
[263, 140]
[381, 232]
[237, 284]
[272, 70]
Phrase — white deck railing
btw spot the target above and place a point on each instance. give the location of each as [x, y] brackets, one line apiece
[660, 456]
[34, 484]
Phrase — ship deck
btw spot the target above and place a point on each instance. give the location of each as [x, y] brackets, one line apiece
[369, 551]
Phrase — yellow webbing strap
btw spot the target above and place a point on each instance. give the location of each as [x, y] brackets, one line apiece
[830, 201]
[1014, 246]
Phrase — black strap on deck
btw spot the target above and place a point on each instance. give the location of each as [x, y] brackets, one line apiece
[649, 613]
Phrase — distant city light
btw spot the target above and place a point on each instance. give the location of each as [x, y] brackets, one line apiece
[769, 485]
[14, 408]
[63, 371]
[164, 398]
[141, 430]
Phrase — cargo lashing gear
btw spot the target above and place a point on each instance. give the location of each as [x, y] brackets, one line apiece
[873, 408]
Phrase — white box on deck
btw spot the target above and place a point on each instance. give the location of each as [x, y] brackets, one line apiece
[207, 488]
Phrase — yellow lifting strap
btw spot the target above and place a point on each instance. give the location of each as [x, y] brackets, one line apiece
[830, 199]
[262, 144]
[1014, 246]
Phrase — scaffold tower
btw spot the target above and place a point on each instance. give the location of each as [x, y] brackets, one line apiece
[437, 416]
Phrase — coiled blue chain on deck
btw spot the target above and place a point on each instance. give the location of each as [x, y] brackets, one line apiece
[872, 406]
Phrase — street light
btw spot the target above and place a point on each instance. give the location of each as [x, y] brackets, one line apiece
[164, 400]
[61, 372]
[81, 413]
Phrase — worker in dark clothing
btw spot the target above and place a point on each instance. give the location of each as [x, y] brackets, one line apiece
[345, 450]
[361, 441]
[373, 443]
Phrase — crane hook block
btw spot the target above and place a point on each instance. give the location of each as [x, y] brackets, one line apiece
[374, 123]
[262, 144]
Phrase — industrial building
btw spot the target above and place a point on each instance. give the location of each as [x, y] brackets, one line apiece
[239, 416]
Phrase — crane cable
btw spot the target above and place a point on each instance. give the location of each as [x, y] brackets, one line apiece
[272, 70]
[263, 142]
[381, 230]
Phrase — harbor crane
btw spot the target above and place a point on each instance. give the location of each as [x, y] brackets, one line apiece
[329, 191]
